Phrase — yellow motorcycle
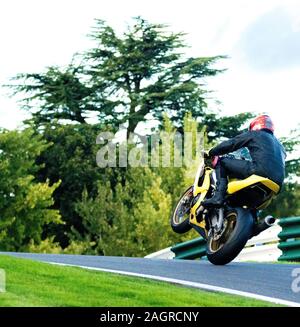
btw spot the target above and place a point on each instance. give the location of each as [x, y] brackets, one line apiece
[226, 229]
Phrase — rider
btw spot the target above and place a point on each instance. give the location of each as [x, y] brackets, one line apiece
[267, 155]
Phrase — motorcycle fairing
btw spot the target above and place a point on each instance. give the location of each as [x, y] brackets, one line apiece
[234, 186]
[237, 185]
[202, 190]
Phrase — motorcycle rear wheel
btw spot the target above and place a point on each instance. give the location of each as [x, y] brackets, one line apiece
[239, 227]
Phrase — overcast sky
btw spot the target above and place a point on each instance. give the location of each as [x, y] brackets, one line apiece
[261, 38]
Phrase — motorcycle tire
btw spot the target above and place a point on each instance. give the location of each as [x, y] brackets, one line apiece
[241, 231]
[183, 226]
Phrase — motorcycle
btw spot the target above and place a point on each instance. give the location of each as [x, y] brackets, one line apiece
[226, 229]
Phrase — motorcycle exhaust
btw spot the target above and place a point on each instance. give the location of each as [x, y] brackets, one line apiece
[263, 225]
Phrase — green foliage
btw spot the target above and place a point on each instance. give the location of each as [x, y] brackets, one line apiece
[131, 220]
[47, 245]
[287, 203]
[172, 177]
[225, 126]
[152, 225]
[132, 217]
[71, 158]
[25, 204]
[292, 147]
[55, 94]
[143, 72]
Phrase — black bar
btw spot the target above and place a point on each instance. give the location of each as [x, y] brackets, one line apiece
[124, 316]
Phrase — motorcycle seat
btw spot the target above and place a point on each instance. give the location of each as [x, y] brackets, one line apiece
[237, 185]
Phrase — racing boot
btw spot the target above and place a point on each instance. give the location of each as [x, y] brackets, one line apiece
[217, 200]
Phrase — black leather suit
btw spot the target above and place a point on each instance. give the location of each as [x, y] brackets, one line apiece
[267, 153]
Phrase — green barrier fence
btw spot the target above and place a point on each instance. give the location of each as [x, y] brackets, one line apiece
[289, 243]
[289, 239]
[193, 249]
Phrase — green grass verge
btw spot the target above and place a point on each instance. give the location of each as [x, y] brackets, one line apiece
[287, 262]
[30, 283]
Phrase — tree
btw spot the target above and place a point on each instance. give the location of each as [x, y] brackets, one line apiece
[131, 219]
[125, 79]
[287, 203]
[143, 73]
[109, 218]
[25, 204]
[130, 213]
[71, 158]
[57, 94]
[218, 126]
[291, 145]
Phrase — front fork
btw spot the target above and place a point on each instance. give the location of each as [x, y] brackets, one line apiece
[217, 222]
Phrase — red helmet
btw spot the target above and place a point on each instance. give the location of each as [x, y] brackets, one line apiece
[262, 122]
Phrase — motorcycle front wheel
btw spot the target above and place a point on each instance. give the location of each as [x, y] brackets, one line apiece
[238, 229]
[180, 218]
